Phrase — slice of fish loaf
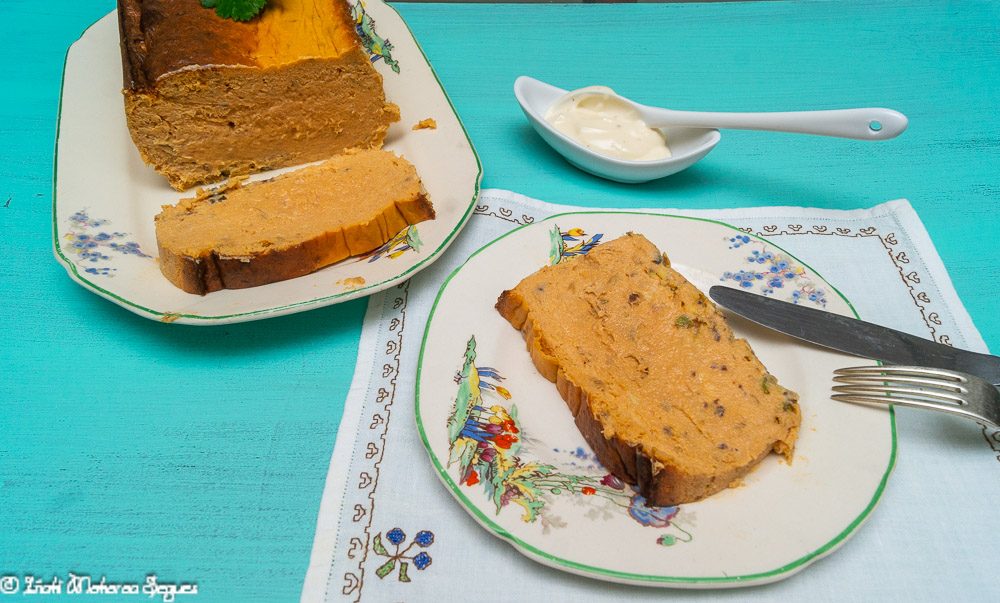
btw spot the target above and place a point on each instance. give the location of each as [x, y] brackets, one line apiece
[263, 232]
[667, 397]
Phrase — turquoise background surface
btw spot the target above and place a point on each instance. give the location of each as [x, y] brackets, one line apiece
[130, 447]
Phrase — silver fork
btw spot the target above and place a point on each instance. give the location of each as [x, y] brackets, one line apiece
[922, 387]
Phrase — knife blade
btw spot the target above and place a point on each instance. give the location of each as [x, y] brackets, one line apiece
[854, 336]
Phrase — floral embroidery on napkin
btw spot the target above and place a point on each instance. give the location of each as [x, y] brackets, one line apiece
[397, 537]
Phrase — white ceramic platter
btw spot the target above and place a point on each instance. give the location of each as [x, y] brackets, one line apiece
[105, 198]
[518, 465]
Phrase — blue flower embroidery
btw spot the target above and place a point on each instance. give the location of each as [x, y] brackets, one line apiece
[422, 560]
[397, 537]
[424, 539]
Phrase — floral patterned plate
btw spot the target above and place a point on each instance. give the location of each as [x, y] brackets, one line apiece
[105, 197]
[505, 445]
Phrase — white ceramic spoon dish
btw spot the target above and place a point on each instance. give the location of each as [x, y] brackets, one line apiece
[692, 134]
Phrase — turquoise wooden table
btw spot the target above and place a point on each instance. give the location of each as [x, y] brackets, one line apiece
[130, 447]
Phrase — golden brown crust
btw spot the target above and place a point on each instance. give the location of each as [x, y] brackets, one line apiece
[133, 47]
[658, 478]
[163, 36]
[210, 272]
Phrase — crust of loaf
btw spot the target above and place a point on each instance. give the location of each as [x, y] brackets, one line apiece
[658, 480]
[204, 268]
[207, 98]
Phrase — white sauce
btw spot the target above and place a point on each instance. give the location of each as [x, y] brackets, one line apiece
[601, 122]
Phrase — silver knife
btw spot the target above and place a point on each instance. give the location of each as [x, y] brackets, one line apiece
[854, 336]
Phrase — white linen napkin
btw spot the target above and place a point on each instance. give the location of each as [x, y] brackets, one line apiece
[929, 539]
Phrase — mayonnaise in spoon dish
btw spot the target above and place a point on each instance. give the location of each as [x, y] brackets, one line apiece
[599, 120]
[606, 134]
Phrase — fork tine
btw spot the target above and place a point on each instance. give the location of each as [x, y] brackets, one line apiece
[916, 392]
[879, 399]
[943, 390]
[866, 378]
[912, 402]
[902, 371]
[935, 384]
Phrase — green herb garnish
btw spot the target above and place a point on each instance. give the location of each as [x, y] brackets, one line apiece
[237, 10]
[683, 321]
